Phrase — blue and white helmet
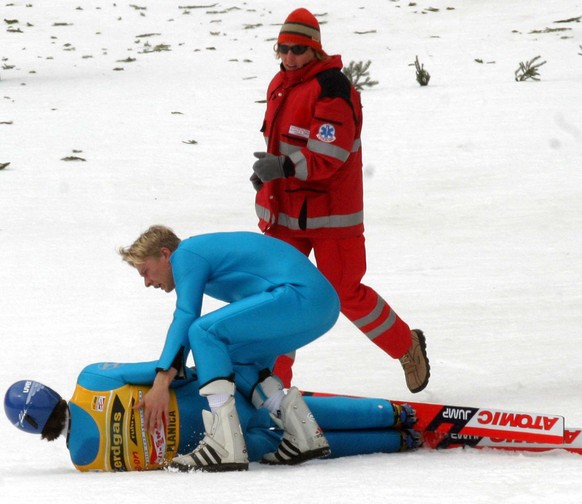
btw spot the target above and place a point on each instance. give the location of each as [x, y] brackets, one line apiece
[28, 405]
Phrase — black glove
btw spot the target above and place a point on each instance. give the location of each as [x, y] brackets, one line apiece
[270, 167]
[256, 181]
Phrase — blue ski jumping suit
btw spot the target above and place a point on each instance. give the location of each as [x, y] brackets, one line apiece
[107, 434]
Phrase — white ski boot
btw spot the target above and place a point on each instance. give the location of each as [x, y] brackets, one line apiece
[302, 437]
[223, 447]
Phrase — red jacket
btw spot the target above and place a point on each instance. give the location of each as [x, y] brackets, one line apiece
[314, 116]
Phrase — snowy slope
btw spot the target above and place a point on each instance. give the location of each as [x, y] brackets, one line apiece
[473, 218]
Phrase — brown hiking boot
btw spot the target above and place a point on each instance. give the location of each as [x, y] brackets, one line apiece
[415, 363]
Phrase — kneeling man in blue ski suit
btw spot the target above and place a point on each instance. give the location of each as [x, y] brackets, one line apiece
[277, 301]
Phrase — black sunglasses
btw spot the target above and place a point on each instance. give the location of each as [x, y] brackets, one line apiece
[297, 50]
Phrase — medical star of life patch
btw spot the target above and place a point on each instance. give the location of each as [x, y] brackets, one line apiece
[326, 133]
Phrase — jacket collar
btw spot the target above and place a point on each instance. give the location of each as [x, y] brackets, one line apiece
[310, 70]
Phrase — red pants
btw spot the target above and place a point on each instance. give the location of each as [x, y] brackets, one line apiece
[343, 263]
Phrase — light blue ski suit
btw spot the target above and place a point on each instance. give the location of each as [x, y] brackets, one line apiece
[277, 301]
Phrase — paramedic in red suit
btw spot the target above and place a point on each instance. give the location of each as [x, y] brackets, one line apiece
[310, 192]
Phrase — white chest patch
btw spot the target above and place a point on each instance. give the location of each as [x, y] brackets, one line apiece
[297, 131]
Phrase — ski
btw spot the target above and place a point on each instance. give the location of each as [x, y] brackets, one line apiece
[509, 425]
[482, 422]
[445, 426]
[572, 442]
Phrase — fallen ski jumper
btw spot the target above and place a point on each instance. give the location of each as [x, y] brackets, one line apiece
[105, 433]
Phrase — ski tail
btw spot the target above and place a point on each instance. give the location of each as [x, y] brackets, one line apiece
[486, 422]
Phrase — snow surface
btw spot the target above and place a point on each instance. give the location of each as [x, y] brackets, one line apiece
[473, 219]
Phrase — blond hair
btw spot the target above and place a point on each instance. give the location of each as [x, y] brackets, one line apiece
[149, 245]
